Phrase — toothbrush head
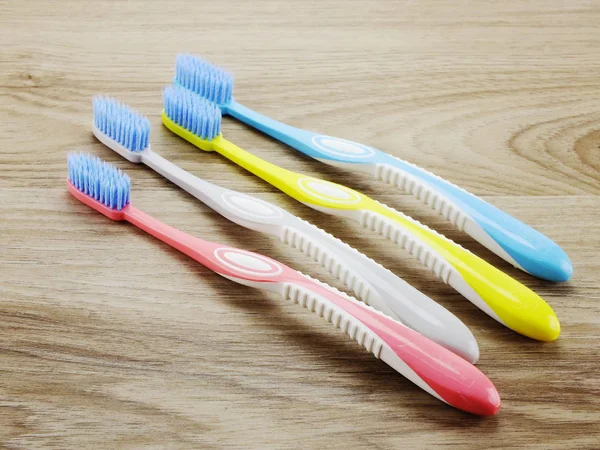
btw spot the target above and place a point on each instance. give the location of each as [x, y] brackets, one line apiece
[190, 116]
[204, 78]
[120, 128]
[98, 184]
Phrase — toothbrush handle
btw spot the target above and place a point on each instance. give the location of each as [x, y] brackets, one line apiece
[518, 243]
[511, 239]
[202, 251]
[497, 294]
[236, 264]
[435, 369]
[369, 281]
[208, 193]
[294, 137]
[380, 288]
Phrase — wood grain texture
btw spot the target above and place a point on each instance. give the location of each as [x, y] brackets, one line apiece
[110, 339]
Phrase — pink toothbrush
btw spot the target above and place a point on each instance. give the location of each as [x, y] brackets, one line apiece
[430, 366]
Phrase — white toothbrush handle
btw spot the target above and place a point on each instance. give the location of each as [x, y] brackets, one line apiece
[421, 250]
[371, 282]
[380, 288]
[204, 191]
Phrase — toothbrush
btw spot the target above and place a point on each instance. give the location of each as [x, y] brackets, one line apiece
[430, 366]
[127, 132]
[519, 244]
[500, 296]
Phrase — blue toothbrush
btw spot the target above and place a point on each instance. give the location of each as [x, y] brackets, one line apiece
[509, 238]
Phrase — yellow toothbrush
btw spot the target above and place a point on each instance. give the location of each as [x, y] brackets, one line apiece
[500, 296]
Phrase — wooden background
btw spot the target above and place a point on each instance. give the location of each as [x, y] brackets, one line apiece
[111, 339]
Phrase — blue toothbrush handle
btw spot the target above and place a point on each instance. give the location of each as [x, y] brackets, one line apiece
[508, 237]
[294, 137]
[511, 239]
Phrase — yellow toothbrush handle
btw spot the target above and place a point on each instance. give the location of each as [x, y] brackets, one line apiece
[287, 181]
[493, 291]
[282, 179]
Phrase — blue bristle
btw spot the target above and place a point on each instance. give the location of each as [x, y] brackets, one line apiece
[121, 123]
[99, 180]
[192, 112]
[204, 78]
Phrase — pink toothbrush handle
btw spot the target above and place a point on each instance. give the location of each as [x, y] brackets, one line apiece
[229, 262]
[435, 369]
[432, 367]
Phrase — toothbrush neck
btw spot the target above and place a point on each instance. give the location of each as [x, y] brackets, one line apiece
[176, 174]
[259, 167]
[189, 245]
[273, 128]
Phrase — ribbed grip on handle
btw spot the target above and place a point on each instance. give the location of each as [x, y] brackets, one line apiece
[431, 259]
[345, 322]
[494, 292]
[380, 288]
[509, 238]
[330, 261]
[432, 197]
[435, 369]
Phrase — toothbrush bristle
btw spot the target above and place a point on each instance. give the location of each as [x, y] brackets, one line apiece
[121, 123]
[192, 112]
[99, 180]
[204, 78]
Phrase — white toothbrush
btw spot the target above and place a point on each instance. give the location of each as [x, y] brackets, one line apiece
[127, 133]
